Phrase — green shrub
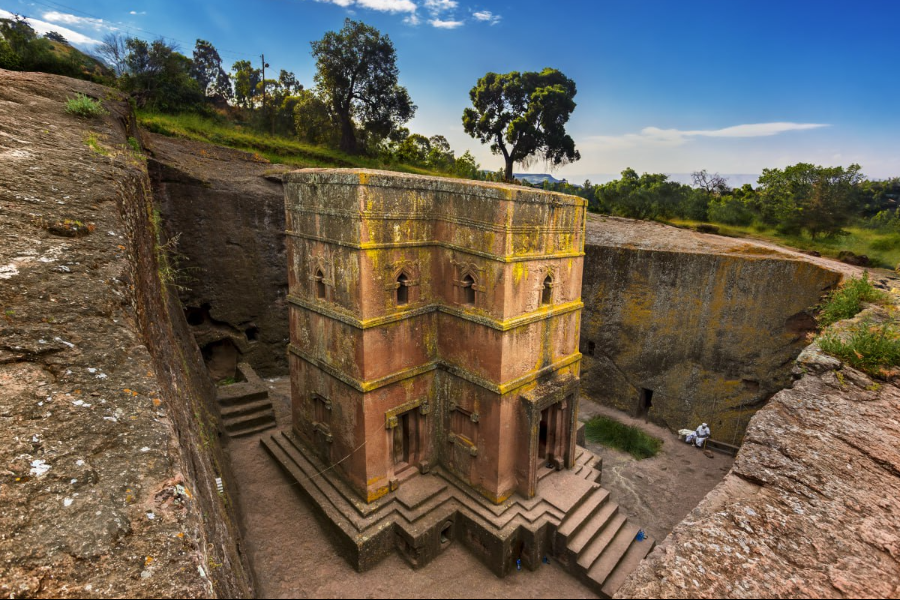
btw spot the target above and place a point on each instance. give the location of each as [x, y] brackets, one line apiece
[847, 300]
[610, 433]
[84, 106]
[873, 349]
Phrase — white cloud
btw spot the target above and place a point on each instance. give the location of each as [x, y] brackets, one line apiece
[134, 12]
[438, 6]
[654, 136]
[392, 6]
[440, 24]
[486, 16]
[412, 19]
[43, 27]
[76, 21]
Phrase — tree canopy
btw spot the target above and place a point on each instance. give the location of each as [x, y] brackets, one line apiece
[523, 116]
[208, 72]
[817, 199]
[357, 76]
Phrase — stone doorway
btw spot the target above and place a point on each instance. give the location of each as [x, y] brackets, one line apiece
[553, 438]
[407, 444]
[645, 403]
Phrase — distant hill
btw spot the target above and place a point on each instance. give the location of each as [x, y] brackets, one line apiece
[537, 178]
[735, 180]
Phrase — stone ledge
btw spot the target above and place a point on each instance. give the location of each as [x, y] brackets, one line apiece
[393, 179]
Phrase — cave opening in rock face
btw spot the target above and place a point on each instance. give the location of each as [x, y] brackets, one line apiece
[221, 358]
[645, 402]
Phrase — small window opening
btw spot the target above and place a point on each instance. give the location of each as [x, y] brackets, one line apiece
[402, 289]
[547, 293]
[320, 285]
[469, 290]
[591, 347]
[252, 333]
[447, 532]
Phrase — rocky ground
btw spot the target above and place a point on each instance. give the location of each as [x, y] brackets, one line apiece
[656, 493]
[810, 509]
[93, 498]
[605, 230]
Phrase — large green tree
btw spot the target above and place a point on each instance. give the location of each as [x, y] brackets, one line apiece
[313, 120]
[246, 81]
[159, 77]
[820, 200]
[523, 116]
[208, 72]
[357, 75]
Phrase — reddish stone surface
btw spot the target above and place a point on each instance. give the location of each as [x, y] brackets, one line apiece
[422, 331]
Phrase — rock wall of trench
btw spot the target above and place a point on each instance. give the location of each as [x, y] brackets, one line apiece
[711, 335]
[811, 507]
[109, 453]
[224, 212]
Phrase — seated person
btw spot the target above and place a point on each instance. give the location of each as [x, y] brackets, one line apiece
[699, 436]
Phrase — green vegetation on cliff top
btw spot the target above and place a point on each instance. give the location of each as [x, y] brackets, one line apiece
[881, 246]
[873, 348]
[275, 149]
[847, 301]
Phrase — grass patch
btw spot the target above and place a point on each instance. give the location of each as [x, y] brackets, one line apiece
[275, 149]
[882, 247]
[873, 349]
[847, 301]
[83, 106]
[92, 141]
[610, 433]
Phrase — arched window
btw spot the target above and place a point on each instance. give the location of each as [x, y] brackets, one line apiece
[547, 293]
[320, 284]
[469, 290]
[402, 289]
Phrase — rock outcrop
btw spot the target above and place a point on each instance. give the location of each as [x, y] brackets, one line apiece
[687, 328]
[811, 507]
[109, 453]
[224, 211]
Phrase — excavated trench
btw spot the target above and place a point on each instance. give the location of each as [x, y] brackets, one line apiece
[107, 409]
[678, 328]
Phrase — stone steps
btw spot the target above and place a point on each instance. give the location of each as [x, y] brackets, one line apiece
[245, 407]
[588, 532]
[598, 521]
[597, 543]
[248, 424]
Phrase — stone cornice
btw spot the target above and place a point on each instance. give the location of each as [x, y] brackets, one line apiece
[437, 243]
[374, 384]
[326, 309]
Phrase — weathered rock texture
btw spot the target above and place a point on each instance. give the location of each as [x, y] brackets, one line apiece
[811, 507]
[225, 209]
[709, 326]
[109, 454]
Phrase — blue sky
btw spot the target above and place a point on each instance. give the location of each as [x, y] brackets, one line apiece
[731, 86]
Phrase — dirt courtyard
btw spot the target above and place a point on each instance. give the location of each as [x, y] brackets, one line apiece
[292, 554]
[657, 492]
